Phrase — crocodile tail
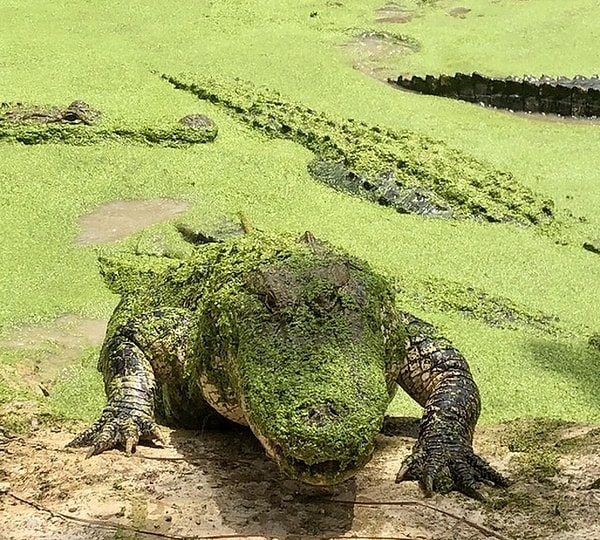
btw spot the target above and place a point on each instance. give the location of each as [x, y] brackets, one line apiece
[578, 96]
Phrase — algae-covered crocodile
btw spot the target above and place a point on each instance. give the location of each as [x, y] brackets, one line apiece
[79, 124]
[294, 338]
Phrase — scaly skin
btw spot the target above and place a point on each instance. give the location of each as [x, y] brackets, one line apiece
[295, 339]
[438, 377]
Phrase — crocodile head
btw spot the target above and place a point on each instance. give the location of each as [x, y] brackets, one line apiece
[320, 428]
[313, 378]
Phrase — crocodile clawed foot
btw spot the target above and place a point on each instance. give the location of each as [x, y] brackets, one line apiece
[446, 467]
[118, 429]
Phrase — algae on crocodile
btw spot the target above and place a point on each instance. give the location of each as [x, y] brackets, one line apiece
[290, 333]
[174, 135]
[453, 179]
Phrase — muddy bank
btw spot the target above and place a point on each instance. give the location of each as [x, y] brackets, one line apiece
[220, 483]
[118, 219]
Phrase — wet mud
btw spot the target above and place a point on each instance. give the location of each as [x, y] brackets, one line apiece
[118, 219]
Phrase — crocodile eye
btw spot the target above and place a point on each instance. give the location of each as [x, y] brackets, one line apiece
[276, 287]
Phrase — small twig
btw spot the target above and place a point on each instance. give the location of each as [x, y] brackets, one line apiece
[119, 527]
[245, 223]
[463, 519]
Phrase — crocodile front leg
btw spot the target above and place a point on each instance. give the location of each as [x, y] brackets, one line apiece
[438, 377]
[146, 350]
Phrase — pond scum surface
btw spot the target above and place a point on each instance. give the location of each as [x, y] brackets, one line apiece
[479, 217]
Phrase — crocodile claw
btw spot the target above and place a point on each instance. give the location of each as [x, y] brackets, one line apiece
[446, 467]
[118, 429]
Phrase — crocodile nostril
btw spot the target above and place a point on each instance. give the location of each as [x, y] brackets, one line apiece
[321, 413]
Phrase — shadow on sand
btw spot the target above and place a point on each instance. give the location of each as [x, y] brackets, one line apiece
[254, 498]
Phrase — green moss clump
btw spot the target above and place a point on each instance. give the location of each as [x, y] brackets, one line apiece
[175, 135]
[454, 180]
[126, 273]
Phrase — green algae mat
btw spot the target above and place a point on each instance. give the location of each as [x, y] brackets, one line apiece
[479, 216]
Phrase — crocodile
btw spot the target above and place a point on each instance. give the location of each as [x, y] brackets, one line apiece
[79, 124]
[294, 338]
[563, 96]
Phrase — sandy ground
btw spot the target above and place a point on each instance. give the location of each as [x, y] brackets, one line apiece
[220, 485]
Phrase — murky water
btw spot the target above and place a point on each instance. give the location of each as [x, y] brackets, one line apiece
[66, 331]
[394, 13]
[49, 349]
[118, 219]
[370, 51]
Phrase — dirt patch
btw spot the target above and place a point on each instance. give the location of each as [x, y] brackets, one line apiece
[394, 13]
[220, 483]
[118, 219]
[371, 50]
[49, 349]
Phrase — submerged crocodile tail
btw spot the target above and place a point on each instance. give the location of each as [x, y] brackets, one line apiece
[578, 97]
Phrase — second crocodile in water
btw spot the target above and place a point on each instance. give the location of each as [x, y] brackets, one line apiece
[294, 338]
[577, 97]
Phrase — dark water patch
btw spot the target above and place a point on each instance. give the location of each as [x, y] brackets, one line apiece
[593, 246]
[431, 170]
[118, 219]
[577, 97]
[78, 124]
